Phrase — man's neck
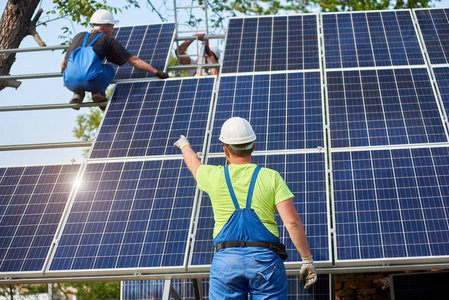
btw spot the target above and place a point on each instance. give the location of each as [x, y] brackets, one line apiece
[239, 160]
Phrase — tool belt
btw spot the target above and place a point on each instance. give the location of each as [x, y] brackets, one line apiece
[277, 248]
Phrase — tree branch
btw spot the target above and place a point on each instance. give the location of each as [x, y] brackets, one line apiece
[32, 30]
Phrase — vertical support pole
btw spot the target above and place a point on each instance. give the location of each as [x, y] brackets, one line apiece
[50, 291]
[198, 288]
[167, 287]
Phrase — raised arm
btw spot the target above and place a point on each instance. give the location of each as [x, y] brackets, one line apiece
[190, 158]
[144, 66]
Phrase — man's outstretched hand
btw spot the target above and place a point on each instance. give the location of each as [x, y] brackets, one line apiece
[161, 75]
[307, 272]
[181, 143]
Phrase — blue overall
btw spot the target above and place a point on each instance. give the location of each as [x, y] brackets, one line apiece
[237, 271]
[85, 71]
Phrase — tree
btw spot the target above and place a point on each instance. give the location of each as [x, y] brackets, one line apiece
[16, 24]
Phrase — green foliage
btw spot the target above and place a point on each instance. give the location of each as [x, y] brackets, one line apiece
[65, 291]
[87, 124]
[80, 11]
[357, 5]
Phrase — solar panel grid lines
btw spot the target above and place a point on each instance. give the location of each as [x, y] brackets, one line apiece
[434, 28]
[383, 107]
[441, 75]
[361, 39]
[285, 109]
[279, 43]
[32, 201]
[390, 205]
[127, 216]
[305, 175]
[151, 43]
[146, 118]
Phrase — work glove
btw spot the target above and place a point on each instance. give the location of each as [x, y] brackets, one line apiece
[161, 75]
[307, 272]
[200, 36]
[181, 143]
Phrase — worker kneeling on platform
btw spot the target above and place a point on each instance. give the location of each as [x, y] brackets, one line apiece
[249, 256]
[83, 68]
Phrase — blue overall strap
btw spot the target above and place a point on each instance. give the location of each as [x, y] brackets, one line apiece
[231, 190]
[251, 187]
[91, 42]
[85, 39]
[250, 190]
[95, 39]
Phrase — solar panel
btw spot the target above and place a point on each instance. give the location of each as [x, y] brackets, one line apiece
[145, 118]
[368, 39]
[383, 107]
[153, 289]
[151, 43]
[391, 204]
[434, 26]
[270, 43]
[442, 79]
[285, 110]
[32, 200]
[306, 177]
[126, 215]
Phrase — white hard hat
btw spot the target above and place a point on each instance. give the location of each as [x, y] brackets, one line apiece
[102, 17]
[236, 131]
[215, 50]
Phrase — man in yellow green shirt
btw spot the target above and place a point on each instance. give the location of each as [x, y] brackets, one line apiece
[244, 197]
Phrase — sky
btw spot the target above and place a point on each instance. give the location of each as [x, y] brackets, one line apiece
[56, 125]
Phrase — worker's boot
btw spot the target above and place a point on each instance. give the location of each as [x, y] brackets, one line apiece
[77, 99]
[99, 97]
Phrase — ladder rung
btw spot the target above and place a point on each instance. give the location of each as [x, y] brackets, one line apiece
[193, 6]
[198, 30]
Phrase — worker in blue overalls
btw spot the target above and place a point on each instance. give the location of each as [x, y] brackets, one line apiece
[249, 257]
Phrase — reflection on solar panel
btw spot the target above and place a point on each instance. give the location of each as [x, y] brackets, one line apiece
[145, 118]
[305, 176]
[150, 43]
[434, 25]
[32, 200]
[442, 78]
[153, 289]
[391, 203]
[383, 107]
[272, 44]
[367, 39]
[128, 215]
[285, 110]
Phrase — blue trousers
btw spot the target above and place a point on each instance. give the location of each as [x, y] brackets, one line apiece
[235, 272]
[100, 83]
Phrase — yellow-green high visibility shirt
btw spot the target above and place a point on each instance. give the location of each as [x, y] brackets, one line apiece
[269, 190]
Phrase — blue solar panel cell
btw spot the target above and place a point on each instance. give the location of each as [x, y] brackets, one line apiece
[306, 178]
[391, 203]
[128, 215]
[151, 43]
[146, 118]
[285, 110]
[32, 200]
[383, 107]
[271, 44]
[434, 25]
[442, 78]
[369, 39]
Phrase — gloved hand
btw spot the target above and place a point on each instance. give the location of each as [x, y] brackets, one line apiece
[307, 272]
[161, 75]
[200, 36]
[181, 143]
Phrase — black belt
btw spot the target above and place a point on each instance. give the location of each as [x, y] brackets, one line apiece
[277, 248]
